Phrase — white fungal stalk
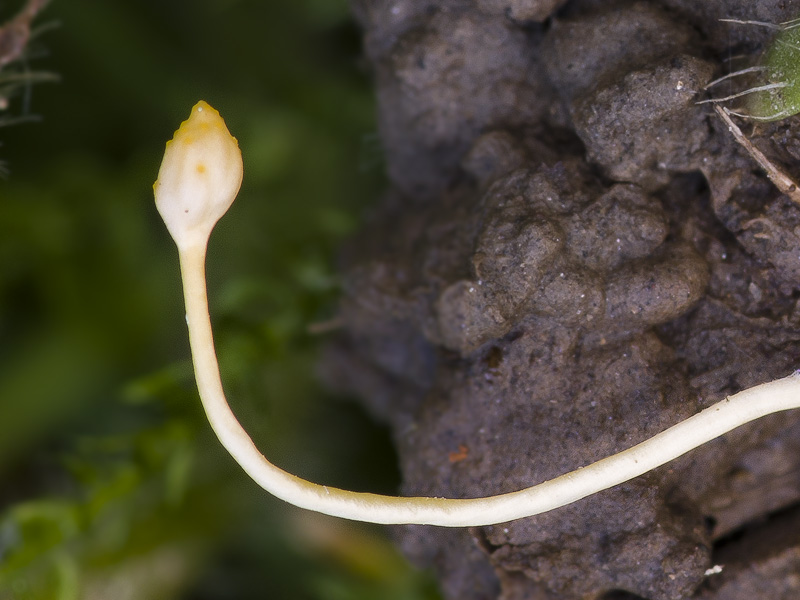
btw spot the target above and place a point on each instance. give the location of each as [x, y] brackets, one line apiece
[199, 178]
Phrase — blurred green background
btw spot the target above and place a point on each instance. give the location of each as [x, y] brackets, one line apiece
[112, 483]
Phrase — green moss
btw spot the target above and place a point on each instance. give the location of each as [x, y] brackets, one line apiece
[782, 63]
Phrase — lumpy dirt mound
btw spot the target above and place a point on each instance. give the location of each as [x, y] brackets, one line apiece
[574, 256]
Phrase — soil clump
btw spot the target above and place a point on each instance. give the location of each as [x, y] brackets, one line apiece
[573, 256]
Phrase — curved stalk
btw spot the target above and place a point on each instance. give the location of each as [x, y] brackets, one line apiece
[705, 426]
[191, 224]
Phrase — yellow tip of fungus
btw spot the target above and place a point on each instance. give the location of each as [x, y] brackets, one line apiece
[199, 178]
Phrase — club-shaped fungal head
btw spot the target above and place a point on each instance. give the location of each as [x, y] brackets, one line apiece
[199, 178]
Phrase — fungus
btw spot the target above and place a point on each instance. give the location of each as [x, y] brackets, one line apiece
[198, 180]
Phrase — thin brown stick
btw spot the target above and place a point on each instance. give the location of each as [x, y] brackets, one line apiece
[781, 180]
[14, 34]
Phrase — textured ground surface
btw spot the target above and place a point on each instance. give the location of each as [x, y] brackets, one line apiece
[574, 255]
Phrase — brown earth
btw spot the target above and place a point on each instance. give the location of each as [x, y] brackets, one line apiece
[573, 256]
